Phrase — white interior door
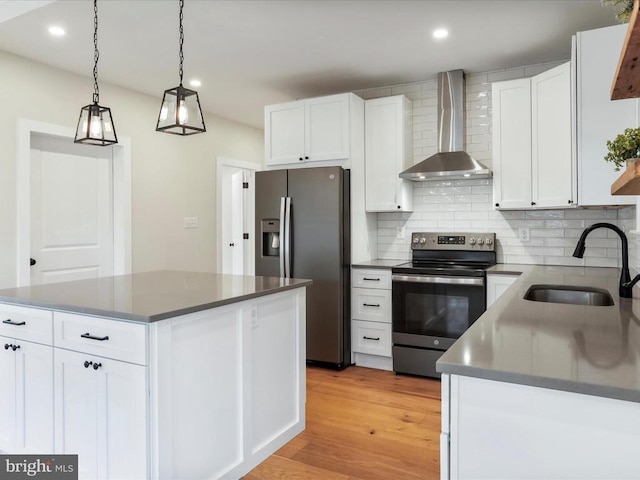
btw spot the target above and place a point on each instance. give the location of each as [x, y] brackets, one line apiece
[71, 211]
[235, 214]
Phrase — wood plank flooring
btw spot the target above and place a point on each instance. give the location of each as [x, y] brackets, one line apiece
[362, 424]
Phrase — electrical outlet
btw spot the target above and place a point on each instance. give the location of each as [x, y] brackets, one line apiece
[524, 234]
[400, 232]
[190, 222]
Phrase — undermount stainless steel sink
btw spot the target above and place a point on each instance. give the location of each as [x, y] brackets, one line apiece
[569, 294]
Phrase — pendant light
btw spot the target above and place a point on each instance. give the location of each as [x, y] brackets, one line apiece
[95, 125]
[180, 112]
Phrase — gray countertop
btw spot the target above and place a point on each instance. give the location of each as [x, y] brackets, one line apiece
[379, 263]
[585, 349]
[148, 297]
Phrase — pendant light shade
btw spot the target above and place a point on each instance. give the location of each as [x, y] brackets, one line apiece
[95, 125]
[180, 112]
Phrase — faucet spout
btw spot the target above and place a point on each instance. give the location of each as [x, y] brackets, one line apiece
[625, 288]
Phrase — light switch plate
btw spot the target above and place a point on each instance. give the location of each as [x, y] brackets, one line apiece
[190, 222]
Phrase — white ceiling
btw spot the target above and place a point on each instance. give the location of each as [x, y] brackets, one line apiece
[252, 53]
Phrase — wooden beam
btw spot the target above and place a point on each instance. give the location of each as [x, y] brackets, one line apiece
[629, 182]
[626, 83]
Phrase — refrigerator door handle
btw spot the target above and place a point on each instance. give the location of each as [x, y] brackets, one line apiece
[287, 238]
[282, 235]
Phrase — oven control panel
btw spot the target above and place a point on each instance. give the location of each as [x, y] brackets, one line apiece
[453, 241]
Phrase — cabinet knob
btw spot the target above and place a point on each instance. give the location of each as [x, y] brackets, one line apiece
[533, 203]
[96, 366]
[306, 158]
[6, 346]
[570, 202]
[497, 204]
[15, 347]
[399, 207]
[300, 158]
[87, 364]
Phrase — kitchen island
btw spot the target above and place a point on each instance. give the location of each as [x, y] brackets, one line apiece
[163, 374]
[544, 390]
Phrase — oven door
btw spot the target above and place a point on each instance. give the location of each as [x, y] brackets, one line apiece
[432, 311]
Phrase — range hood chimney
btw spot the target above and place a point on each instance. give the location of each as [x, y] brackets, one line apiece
[451, 163]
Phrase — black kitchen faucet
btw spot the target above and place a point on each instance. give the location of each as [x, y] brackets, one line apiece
[626, 284]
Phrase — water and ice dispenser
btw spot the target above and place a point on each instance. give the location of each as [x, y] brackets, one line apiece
[270, 237]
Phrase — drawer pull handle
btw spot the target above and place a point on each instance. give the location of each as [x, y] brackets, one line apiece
[91, 337]
[88, 364]
[8, 321]
[372, 338]
[371, 305]
[371, 279]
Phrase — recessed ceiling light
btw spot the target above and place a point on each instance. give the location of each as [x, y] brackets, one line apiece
[440, 33]
[56, 31]
[195, 83]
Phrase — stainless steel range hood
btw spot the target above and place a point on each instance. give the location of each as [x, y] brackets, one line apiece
[451, 163]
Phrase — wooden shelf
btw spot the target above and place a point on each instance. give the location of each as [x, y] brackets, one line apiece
[629, 182]
[626, 83]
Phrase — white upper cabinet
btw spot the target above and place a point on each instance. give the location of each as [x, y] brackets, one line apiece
[284, 133]
[512, 143]
[532, 141]
[388, 150]
[598, 117]
[552, 159]
[313, 130]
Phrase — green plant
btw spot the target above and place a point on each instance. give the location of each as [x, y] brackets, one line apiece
[625, 146]
[623, 8]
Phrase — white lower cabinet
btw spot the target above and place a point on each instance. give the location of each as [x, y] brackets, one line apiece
[26, 406]
[206, 395]
[373, 338]
[371, 318]
[101, 414]
[497, 285]
[496, 429]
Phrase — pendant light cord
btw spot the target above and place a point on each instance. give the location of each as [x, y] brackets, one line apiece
[96, 54]
[181, 41]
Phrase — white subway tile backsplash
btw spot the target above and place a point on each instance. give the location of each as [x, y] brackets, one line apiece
[466, 205]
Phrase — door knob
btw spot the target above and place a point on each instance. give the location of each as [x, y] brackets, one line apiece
[32, 262]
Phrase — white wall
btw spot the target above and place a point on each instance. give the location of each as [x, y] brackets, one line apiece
[467, 205]
[172, 177]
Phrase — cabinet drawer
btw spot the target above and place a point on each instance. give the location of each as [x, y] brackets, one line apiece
[371, 304]
[24, 323]
[371, 337]
[99, 336]
[371, 278]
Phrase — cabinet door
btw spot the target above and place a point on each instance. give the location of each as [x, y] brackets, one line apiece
[284, 133]
[551, 137]
[385, 155]
[7, 396]
[598, 117]
[497, 285]
[26, 397]
[34, 398]
[512, 143]
[326, 133]
[101, 415]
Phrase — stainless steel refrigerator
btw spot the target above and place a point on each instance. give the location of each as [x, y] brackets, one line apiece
[303, 231]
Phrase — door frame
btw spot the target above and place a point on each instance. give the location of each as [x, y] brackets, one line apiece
[249, 267]
[121, 197]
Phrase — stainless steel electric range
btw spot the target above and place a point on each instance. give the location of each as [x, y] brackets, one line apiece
[437, 296]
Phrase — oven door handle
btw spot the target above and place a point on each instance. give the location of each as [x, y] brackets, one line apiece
[470, 281]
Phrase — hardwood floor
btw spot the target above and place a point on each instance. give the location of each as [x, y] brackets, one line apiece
[362, 424]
